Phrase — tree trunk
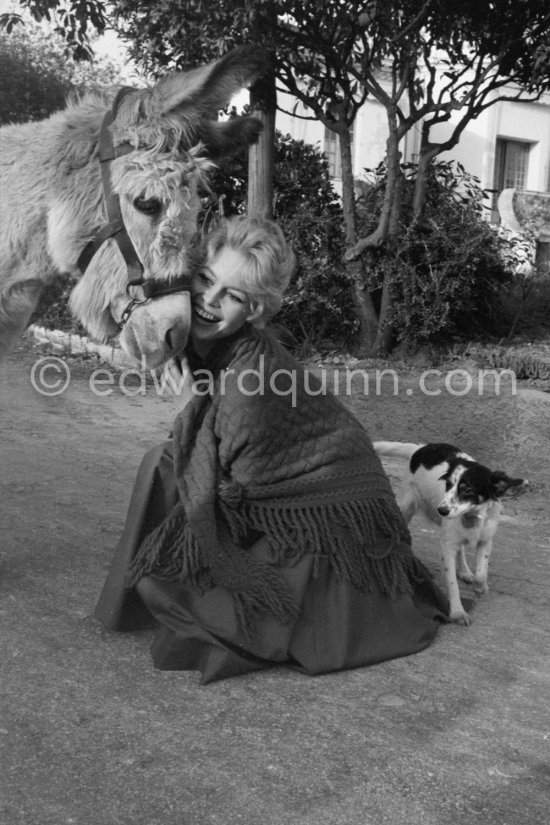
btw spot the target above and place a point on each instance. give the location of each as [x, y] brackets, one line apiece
[428, 151]
[385, 334]
[263, 102]
[364, 306]
[390, 220]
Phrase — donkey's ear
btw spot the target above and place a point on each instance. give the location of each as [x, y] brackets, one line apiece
[225, 138]
[206, 90]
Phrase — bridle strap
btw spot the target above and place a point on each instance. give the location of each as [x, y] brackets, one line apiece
[152, 288]
[106, 232]
[114, 228]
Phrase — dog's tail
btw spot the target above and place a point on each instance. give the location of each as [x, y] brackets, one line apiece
[397, 449]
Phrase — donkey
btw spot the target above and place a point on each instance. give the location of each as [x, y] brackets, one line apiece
[156, 148]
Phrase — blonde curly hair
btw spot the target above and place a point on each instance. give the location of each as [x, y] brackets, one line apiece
[270, 261]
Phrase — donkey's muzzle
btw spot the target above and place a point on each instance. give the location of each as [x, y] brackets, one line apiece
[158, 329]
[176, 339]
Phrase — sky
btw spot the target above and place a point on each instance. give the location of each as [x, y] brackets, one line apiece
[108, 44]
[111, 46]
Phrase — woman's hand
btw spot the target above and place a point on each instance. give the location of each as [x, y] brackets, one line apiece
[177, 379]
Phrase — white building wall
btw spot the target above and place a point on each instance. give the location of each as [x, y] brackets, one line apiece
[528, 122]
[370, 131]
[309, 130]
[476, 149]
[370, 136]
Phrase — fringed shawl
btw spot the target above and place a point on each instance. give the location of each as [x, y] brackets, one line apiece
[263, 451]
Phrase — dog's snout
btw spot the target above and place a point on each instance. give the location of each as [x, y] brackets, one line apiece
[443, 510]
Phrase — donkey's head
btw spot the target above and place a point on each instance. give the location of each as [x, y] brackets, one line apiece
[165, 140]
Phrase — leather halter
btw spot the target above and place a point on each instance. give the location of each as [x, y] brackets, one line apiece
[115, 229]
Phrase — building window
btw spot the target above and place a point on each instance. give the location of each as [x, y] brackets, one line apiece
[511, 166]
[332, 152]
[511, 163]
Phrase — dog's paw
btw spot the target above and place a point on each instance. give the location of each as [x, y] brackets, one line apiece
[480, 587]
[465, 576]
[460, 617]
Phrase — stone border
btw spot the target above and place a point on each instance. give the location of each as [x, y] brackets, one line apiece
[527, 364]
[73, 344]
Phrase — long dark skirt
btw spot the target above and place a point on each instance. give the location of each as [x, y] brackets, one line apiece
[337, 626]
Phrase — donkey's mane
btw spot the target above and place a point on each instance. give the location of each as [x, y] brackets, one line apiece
[151, 175]
[85, 111]
[139, 120]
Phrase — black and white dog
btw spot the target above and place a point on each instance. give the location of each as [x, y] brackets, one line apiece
[463, 497]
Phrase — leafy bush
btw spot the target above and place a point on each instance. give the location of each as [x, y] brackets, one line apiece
[527, 362]
[318, 307]
[446, 269]
[36, 76]
[526, 302]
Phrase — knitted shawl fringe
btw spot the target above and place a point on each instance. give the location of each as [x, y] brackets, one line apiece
[359, 539]
[366, 542]
[171, 552]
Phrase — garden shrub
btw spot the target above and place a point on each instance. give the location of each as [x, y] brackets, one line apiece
[37, 76]
[318, 307]
[446, 269]
[527, 362]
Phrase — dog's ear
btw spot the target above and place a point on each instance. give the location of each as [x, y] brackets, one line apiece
[517, 486]
[501, 483]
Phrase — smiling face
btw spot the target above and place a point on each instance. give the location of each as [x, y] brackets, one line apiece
[220, 304]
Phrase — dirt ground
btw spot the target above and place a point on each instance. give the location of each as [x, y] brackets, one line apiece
[92, 734]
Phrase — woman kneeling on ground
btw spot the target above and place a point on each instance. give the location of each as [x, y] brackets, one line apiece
[265, 531]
